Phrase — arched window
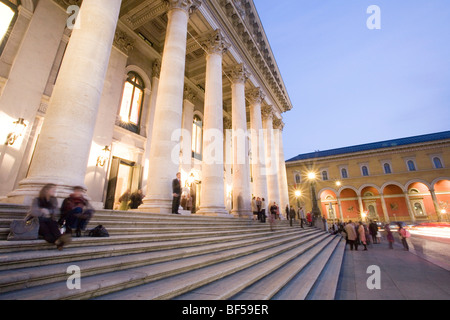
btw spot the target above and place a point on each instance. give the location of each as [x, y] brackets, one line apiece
[298, 179]
[437, 163]
[387, 168]
[411, 165]
[8, 15]
[324, 175]
[132, 100]
[197, 138]
[365, 171]
[344, 173]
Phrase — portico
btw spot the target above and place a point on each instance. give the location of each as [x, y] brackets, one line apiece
[148, 59]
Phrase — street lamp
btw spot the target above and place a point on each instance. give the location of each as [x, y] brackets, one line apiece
[312, 176]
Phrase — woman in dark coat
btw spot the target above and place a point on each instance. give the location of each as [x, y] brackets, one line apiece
[44, 207]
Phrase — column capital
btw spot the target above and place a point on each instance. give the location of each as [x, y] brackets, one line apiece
[189, 94]
[238, 73]
[216, 43]
[189, 6]
[123, 42]
[278, 124]
[227, 123]
[156, 68]
[256, 96]
[267, 112]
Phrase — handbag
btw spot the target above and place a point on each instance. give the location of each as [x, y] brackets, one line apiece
[27, 229]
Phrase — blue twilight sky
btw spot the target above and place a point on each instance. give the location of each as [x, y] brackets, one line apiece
[350, 85]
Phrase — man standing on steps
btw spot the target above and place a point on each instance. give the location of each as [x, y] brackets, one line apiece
[176, 190]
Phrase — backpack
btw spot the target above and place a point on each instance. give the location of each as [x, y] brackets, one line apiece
[99, 232]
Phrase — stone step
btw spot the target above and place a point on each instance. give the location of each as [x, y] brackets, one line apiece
[225, 288]
[326, 285]
[17, 246]
[268, 287]
[223, 262]
[301, 285]
[17, 260]
[52, 267]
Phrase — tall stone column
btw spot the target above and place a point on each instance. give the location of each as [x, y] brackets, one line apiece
[62, 152]
[410, 208]
[385, 211]
[212, 195]
[341, 213]
[282, 175]
[271, 167]
[165, 149]
[436, 205]
[256, 97]
[188, 118]
[241, 165]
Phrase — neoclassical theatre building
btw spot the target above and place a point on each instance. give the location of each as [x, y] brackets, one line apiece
[123, 94]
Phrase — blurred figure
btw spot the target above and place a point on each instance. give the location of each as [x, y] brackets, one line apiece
[176, 193]
[389, 236]
[76, 212]
[125, 201]
[136, 199]
[351, 235]
[403, 234]
[44, 207]
[362, 235]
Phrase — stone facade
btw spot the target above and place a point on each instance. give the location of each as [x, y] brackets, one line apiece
[399, 180]
[128, 95]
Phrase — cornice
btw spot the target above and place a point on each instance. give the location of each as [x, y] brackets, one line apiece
[378, 152]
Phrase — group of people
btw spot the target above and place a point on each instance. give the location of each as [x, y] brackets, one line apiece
[361, 234]
[75, 215]
[130, 200]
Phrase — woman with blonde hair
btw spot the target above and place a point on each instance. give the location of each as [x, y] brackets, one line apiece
[44, 208]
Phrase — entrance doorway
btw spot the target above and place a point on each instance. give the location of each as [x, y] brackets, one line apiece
[125, 175]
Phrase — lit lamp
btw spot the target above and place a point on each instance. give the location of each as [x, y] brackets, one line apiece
[364, 215]
[103, 157]
[17, 132]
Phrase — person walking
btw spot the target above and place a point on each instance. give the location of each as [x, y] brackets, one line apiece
[125, 201]
[403, 234]
[373, 230]
[176, 193]
[254, 209]
[258, 208]
[291, 216]
[263, 210]
[362, 235]
[44, 208]
[301, 216]
[273, 215]
[389, 236]
[351, 235]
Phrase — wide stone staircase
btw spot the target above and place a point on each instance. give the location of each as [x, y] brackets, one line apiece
[155, 256]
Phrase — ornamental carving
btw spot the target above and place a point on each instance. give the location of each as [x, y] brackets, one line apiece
[66, 3]
[190, 6]
[238, 73]
[216, 43]
[278, 124]
[156, 69]
[256, 96]
[189, 94]
[123, 42]
[267, 112]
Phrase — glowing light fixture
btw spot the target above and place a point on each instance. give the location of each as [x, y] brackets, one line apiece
[19, 127]
[103, 157]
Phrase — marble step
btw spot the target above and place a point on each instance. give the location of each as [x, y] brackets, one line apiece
[269, 286]
[52, 267]
[18, 260]
[28, 245]
[326, 285]
[232, 285]
[225, 261]
[302, 284]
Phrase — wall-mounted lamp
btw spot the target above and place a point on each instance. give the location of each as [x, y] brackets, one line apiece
[17, 131]
[103, 157]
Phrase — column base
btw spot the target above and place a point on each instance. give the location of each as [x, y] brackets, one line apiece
[242, 214]
[159, 206]
[214, 212]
